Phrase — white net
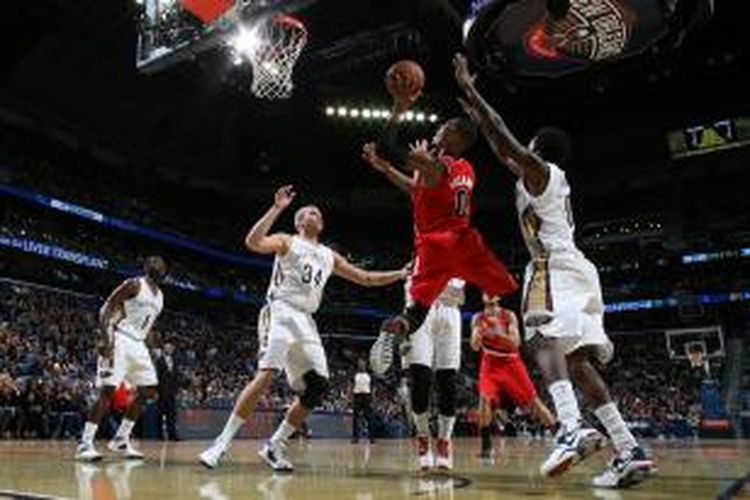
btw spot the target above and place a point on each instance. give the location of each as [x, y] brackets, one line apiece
[280, 42]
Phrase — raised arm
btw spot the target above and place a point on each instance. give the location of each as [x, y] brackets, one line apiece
[258, 240]
[397, 178]
[506, 147]
[345, 269]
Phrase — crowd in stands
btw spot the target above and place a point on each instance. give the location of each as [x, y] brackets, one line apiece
[47, 366]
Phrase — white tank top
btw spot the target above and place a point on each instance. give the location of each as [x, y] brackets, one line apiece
[141, 311]
[547, 220]
[299, 277]
[361, 383]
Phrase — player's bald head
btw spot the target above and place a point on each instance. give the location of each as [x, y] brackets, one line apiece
[308, 220]
[552, 145]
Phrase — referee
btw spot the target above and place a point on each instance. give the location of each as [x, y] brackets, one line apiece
[362, 402]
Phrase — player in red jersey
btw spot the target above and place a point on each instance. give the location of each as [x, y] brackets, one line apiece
[502, 373]
[446, 245]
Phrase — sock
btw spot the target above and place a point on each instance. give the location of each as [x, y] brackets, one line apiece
[89, 433]
[234, 423]
[486, 437]
[622, 438]
[445, 426]
[126, 427]
[282, 433]
[566, 405]
[422, 423]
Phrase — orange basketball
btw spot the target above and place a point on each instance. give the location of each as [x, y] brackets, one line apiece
[404, 77]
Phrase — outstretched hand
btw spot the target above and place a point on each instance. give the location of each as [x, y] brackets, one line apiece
[464, 78]
[370, 155]
[284, 196]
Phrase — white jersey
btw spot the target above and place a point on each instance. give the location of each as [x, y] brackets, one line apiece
[141, 311]
[362, 383]
[299, 276]
[547, 220]
[451, 296]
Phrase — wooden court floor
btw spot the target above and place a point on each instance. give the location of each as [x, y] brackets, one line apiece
[338, 469]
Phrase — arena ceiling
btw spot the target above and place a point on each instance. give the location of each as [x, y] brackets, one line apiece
[73, 64]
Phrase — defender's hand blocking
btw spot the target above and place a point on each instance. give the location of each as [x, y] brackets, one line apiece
[284, 197]
[370, 155]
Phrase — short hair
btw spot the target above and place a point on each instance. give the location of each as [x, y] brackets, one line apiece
[300, 212]
[552, 144]
[466, 128]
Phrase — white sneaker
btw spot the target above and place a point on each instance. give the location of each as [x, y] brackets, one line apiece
[211, 457]
[86, 452]
[124, 448]
[571, 447]
[626, 470]
[424, 453]
[382, 352]
[273, 455]
[444, 455]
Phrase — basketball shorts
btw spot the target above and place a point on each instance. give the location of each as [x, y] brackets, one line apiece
[442, 255]
[562, 298]
[505, 380]
[288, 340]
[437, 343]
[131, 362]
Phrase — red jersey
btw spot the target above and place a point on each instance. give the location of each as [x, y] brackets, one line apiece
[493, 327]
[447, 206]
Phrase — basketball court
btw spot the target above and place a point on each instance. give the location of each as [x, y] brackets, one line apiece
[337, 469]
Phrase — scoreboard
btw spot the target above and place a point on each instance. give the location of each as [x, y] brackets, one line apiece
[706, 138]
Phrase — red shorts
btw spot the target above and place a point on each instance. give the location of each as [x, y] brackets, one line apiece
[505, 378]
[461, 253]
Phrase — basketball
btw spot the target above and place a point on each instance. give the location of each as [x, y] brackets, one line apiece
[408, 72]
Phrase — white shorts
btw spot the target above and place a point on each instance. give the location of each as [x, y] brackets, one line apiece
[131, 362]
[562, 298]
[288, 340]
[437, 343]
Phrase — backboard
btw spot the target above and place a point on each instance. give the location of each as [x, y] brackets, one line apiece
[175, 31]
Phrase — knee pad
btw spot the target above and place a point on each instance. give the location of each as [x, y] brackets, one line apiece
[445, 381]
[420, 381]
[415, 315]
[316, 386]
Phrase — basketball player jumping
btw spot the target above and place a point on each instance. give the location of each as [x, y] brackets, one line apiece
[125, 321]
[446, 245]
[502, 373]
[288, 336]
[562, 299]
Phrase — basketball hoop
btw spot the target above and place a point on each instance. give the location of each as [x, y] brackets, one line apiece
[279, 43]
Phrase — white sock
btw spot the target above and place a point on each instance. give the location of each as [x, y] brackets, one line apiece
[89, 433]
[622, 439]
[126, 427]
[422, 423]
[445, 426]
[234, 423]
[566, 405]
[282, 433]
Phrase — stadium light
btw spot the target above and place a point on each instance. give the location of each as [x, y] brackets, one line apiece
[246, 42]
[367, 113]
